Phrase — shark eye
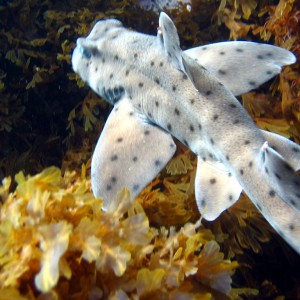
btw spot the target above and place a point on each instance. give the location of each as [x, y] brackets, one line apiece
[85, 52]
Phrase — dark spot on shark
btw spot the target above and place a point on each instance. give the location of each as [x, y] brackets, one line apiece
[149, 114]
[258, 206]
[222, 53]
[269, 72]
[241, 171]
[232, 105]
[208, 93]
[120, 139]
[135, 159]
[192, 128]
[157, 163]
[135, 55]
[156, 103]
[103, 60]
[239, 50]
[177, 112]
[296, 183]
[113, 179]
[227, 157]
[169, 126]
[272, 193]
[169, 54]
[212, 141]
[203, 202]
[266, 170]
[127, 72]
[236, 121]
[269, 54]
[204, 48]
[230, 198]
[252, 83]
[116, 57]
[111, 76]
[96, 69]
[152, 63]
[210, 155]
[292, 202]
[174, 88]
[213, 180]
[204, 158]
[141, 84]
[215, 117]
[296, 150]
[259, 56]
[131, 113]
[114, 157]
[229, 174]
[146, 132]
[184, 76]
[222, 72]
[247, 142]
[192, 101]
[108, 187]
[161, 64]
[200, 126]
[156, 80]
[277, 176]
[291, 227]
[136, 187]
[288, 167]
[250, 164]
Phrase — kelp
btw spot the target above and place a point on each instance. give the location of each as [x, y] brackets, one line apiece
[56, 240]
[154, 247]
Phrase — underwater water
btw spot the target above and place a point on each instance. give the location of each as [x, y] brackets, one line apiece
[55, 239]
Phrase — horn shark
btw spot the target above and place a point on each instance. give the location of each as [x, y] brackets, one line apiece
[159, 91]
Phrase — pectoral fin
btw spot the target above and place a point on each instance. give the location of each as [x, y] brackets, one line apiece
[129, 153]
[242, 66]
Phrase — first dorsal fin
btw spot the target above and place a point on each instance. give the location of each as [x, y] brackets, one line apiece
[167, 33]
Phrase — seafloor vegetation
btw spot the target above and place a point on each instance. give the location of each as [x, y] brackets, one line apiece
[55, 242]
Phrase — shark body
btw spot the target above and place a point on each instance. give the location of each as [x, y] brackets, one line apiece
[159, 91]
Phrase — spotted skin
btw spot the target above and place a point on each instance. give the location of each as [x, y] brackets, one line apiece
[159, 91]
